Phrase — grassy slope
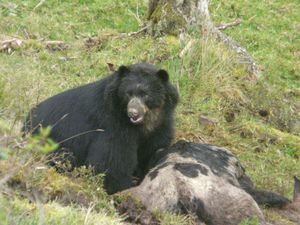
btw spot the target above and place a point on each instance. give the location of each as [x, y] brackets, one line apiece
[210, 80]
[270, 32]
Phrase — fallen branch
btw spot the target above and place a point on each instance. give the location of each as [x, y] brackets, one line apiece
[187, 48]
[56, 45]
[228, 25]
[10, 45]
[143, 29]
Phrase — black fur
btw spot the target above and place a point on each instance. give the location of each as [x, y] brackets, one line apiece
[191, 169]
[122, 147]
[262, 197]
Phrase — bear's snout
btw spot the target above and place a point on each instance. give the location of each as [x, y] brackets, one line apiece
[136, 110]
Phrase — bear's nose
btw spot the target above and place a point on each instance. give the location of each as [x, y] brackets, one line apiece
[133, 113]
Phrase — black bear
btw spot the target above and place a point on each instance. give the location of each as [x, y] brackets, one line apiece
[133, 108]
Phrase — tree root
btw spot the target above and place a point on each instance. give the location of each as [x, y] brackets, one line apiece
[196, 13]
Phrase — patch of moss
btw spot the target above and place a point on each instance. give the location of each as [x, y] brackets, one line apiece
[166, 20]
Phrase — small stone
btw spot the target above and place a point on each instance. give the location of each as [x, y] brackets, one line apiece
[203, 120]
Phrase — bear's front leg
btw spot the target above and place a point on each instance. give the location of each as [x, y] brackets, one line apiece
[116, 157]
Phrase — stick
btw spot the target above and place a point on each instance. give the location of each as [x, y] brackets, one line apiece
[77, 135]
[187, 48]
[228, 25]
[39, 4]
[139, 31]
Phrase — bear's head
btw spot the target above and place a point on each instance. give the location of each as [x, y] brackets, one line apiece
[145, 94]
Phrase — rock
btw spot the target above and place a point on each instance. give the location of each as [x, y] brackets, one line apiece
[208, 122]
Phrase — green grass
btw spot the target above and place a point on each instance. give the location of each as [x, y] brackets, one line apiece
[270, 32]
[17, 211]
[209, 78]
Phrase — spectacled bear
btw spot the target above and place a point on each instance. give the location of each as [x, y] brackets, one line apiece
[134, 109]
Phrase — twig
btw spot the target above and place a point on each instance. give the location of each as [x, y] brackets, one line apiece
[138, 32]
[228, 25]
[91, 207]
[135, 16]
[187, 48]
[39, 4]
[60, 119]
[77, 135]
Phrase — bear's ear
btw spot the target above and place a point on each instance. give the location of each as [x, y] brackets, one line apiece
[162, 74]
[122, 71]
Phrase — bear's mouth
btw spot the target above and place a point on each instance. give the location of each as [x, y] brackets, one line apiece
[136, 119]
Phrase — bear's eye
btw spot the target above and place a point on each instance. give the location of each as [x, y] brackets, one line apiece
[141, 93]
[147, 97]
[151, 102]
